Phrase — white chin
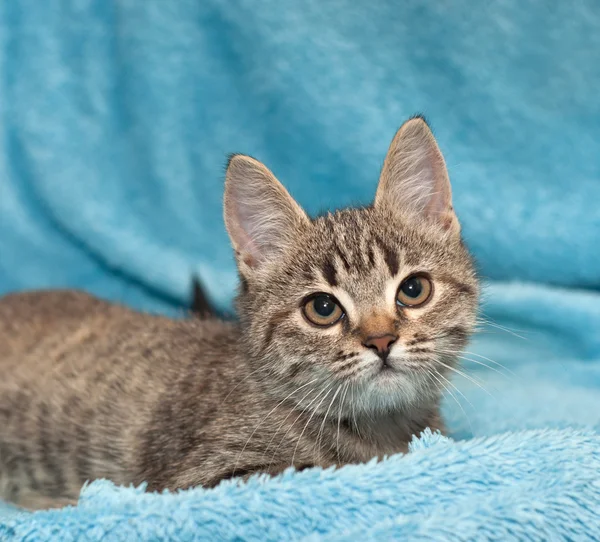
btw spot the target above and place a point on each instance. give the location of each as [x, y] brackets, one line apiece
[389, 390]
[393, 387]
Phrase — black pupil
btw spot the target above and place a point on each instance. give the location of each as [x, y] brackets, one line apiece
[412, 287]
[323, 305]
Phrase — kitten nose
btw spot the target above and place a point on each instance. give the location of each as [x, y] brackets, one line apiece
[381, 343]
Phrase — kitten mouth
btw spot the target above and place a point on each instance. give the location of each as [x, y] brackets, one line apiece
[391, 365]
[386, 367]
[388, 370]
[393, 383]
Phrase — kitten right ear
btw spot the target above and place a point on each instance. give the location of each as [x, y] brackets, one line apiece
[414, 178]
[260, 215]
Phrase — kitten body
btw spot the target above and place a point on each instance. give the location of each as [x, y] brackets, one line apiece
[92, 390]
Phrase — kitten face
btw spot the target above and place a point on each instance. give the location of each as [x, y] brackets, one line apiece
[364, 308]
[361, 258]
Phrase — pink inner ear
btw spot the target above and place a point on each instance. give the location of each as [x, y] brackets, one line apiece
[249, 260]
[447, 221]
[247, 249]
[440, 202]
[261, 217]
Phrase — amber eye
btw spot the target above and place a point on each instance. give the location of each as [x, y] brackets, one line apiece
[322, 310]
[414, 291]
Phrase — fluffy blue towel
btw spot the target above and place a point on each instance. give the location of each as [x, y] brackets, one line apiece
[115, 121]
[500, 488]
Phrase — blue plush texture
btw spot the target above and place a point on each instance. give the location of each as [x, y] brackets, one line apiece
[505, 487]
[115, 122]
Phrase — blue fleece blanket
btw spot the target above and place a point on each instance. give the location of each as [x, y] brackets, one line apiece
[115, 122]
[502, 488]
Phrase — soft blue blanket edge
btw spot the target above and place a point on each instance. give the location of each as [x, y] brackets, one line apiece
[534, 485]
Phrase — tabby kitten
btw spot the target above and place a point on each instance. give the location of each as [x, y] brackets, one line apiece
[348, 325]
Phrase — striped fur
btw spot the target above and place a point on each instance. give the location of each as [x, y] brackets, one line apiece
[91, 389]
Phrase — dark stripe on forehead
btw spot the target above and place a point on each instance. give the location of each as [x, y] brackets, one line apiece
[371, 256]
[329, 273]
[308, 276]
[389, 255]
[342, 256]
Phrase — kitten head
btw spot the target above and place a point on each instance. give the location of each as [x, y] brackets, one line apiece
[377, 300]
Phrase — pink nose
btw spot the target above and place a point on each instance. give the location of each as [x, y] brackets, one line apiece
[381, 344]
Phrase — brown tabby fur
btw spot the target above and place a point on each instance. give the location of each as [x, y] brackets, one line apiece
[91, 389]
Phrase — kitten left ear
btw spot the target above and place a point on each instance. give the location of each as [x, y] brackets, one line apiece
[261, 217]
[414, 178]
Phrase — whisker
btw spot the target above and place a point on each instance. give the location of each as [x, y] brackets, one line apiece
[354, 414]
[508, 331]
[471, 379]
[456, 388]
[453, 396]
[490, 360]
[458, 355]
[505, 329]
[265, 419]
[239, 383]
[460, 352]
[308, 422]
[483, 365]
[283, 422]
[487, 320]
[297, 418]
[319, 434]
[342, 402]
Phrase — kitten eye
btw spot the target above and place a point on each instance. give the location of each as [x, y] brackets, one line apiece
[414, 291]
[322, 310]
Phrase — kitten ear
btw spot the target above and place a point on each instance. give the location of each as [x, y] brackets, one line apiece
[414, 177]
[260, 215]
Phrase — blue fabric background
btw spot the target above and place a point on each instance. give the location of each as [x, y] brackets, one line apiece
[116, 118]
